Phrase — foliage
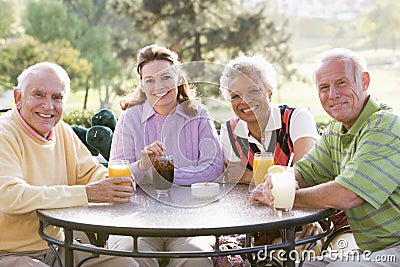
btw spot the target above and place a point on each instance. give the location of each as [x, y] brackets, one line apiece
[380, 24]
[198, 29]
[89, 30]
[84, 119]
[47, 24]
[79, 118]
[62, 52]
[322, 124]
[208, 30]
[6, 18]
[17, 56]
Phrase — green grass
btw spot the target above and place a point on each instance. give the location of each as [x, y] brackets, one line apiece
[76, 99]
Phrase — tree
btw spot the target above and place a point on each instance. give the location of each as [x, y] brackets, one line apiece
[89, 30]
[6, 18]
[207, 29]
[16, 57]
[48, 24]
[19, 55]
[380, 24]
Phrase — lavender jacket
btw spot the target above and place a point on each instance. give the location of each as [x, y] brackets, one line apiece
[192, 142]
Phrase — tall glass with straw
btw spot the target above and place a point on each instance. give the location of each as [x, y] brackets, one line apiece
[283, 186]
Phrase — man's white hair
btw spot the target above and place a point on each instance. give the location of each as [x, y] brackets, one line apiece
[61, 73]
[359, 62]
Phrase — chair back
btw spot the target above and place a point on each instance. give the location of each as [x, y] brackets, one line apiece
[4, 110]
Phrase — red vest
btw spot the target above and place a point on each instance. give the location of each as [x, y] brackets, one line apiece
[281, 143]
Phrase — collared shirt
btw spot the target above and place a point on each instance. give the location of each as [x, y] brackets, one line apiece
[31, 130]
[366, 160]
[302, 124]
[192, 142]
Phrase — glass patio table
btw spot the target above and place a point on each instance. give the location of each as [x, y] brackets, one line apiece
[179, 214]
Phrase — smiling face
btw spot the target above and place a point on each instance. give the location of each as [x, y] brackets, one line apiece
[160, 84]
[249, 98]
[41, 100]
[341, 96]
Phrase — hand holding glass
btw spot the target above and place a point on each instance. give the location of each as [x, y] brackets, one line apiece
[163, 174]
[117, 168]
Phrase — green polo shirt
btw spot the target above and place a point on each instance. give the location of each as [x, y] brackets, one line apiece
[365, 160]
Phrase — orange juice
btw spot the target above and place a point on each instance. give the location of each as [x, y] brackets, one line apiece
[262, 161]
[119, 168]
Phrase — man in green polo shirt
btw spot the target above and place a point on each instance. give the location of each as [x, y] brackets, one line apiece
[355, 166]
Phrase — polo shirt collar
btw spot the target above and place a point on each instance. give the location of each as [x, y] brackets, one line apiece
[274, 122]
[31, 130]
[370, 108]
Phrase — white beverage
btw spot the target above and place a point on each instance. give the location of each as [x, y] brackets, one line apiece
[284, 187]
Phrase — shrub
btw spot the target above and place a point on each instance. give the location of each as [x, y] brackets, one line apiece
[323, 123]
[79, 118]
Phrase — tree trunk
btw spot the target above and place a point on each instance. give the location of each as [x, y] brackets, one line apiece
[86, 94]
[197, 48]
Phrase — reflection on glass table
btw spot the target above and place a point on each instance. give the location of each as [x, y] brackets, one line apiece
[180, 214]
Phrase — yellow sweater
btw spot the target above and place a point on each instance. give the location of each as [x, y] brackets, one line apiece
[39, 175]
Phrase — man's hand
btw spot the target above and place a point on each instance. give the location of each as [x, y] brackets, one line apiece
[109, 190]
[262, 194]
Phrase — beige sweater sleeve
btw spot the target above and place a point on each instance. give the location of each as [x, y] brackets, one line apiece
[39, 175]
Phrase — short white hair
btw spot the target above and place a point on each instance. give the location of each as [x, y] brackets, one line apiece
[246, 65]
[60, 71]
[359, 62]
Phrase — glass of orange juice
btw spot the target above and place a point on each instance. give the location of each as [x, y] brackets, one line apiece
[262, 161]
[118, 168]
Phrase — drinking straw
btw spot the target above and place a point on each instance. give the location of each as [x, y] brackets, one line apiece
[263, 141]
[290, 160]
[165, 148]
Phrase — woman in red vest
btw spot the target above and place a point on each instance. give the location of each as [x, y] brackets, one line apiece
[248, 82]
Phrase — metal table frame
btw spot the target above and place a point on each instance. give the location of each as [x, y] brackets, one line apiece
[98, 232]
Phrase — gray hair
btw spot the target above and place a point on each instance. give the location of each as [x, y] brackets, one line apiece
[243, 65]
[359, 62]
[57, 69]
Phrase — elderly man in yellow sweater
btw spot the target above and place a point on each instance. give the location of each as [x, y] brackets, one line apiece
[44, 165]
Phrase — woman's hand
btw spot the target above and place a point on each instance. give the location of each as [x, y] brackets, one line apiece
[149, 153]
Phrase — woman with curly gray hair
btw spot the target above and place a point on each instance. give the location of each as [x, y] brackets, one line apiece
[248, 82]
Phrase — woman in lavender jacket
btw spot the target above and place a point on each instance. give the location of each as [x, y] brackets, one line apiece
[163, 118]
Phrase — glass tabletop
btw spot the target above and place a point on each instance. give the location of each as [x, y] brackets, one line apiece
[228, 212]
